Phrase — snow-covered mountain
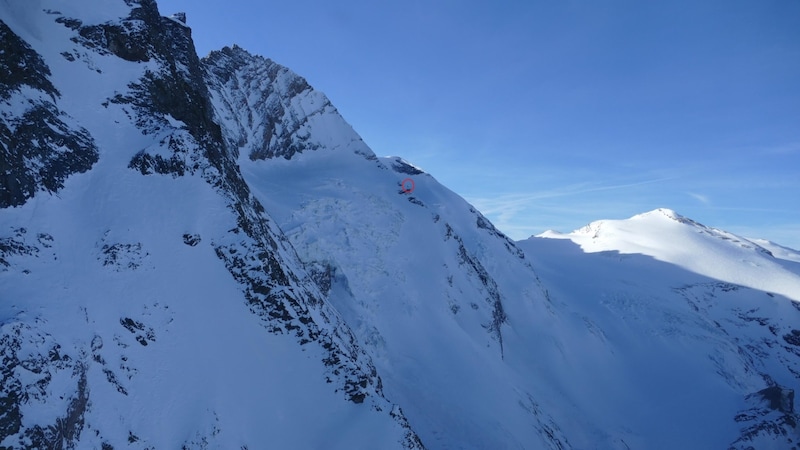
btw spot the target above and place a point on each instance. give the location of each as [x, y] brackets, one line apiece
[148, 300]
[426, 283]
[670, 237]
[204, 254]
[701, 324]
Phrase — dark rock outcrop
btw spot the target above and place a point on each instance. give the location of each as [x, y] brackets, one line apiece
[771, 420]
[40, 146]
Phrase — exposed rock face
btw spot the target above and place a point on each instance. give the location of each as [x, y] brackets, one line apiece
[770, 422]
[40, 145]
[45, 364]
[270, 109]
[22, 66]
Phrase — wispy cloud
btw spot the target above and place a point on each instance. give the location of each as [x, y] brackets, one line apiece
[563, 208]
[700, 198]
[516, 199]
[524, 201]
[791, 148]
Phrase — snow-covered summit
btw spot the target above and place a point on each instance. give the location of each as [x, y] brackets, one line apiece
[660, 217]
[671, 237]
[665, 212]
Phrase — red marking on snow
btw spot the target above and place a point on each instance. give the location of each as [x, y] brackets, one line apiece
[407, 185]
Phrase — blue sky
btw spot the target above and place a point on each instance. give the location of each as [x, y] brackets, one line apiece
[552, 114]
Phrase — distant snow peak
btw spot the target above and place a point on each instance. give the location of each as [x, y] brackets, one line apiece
[668, 236]
[666, 213]
[647, 223]
[659, 212]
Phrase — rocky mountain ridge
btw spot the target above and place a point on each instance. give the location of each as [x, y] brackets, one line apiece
[172, 134]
